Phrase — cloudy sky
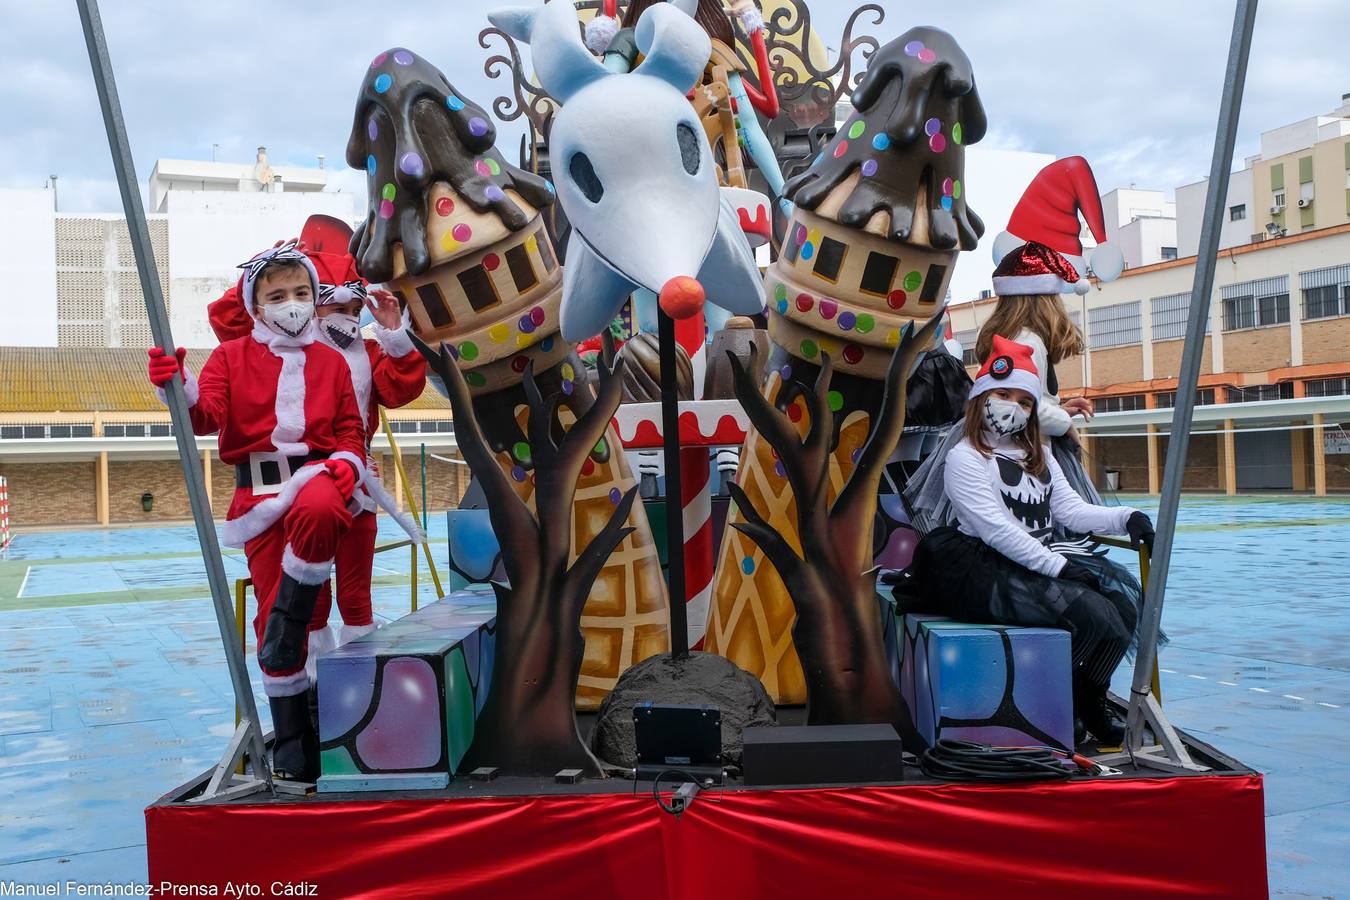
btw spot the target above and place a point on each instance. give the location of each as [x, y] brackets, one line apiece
[1132, 86]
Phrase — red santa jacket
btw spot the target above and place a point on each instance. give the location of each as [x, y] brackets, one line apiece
[270, 394]
[395, 376]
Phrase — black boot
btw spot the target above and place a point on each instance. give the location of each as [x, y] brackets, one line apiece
[1098, 714]
[295, 744]
[312, 696]
[286, 633]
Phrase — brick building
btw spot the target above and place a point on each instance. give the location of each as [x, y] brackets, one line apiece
[83, 441]
[1274, 391]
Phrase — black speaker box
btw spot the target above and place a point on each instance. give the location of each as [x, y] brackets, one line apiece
[822, 754]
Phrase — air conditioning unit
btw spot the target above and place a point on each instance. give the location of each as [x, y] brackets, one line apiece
[1305, 203]
[1276, 209]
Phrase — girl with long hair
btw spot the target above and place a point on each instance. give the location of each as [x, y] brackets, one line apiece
[996, 564]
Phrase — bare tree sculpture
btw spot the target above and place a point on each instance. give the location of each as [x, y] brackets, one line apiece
[838, 630]
[528, 724]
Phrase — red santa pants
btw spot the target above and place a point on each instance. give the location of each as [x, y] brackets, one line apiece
[355, 559]
[301, 544]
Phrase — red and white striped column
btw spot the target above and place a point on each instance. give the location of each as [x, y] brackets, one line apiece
[4, 513]
[696, 504]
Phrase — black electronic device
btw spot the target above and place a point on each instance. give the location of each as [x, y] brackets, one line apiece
[681, 738]
[822, 754]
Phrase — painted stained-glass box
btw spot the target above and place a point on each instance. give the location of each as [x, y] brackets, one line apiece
[992, 684]
[397, 706]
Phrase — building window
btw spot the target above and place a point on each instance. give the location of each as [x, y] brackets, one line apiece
[1327, 387]
[932, 283]
[434, 305]
[879, 274]
[545, 250]
[830, 259]
[967, 340]
[1169, 253]
[478, 287]
[1169, 316]
[1326, 292]
[1237, 213]
[1128, 403]
[1279, 201]
[522, 270]
[1168, 399]
[1114, 326]
[1255, 303]
[11, 432]
[1257, 392]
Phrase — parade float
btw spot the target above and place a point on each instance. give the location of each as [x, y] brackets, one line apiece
[663, 679]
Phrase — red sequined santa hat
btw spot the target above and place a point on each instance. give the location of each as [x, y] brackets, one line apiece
[1035, 269]
[1010, 366]
[1048, 214]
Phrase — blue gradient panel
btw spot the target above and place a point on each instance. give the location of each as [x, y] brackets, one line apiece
[992, 684]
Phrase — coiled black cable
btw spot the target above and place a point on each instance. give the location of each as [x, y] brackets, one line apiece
[950, 760]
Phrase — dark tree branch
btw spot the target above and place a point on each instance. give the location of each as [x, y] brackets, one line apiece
[509, 514]
[861, 487]
[587, 568]
[765, 536]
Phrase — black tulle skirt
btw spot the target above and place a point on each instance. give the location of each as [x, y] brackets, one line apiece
[936, 393]
[960, 576]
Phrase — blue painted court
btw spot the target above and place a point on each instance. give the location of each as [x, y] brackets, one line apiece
[113, 687]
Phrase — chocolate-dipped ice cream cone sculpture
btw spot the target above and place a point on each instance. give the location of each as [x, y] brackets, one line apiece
[880, 217]
[456, 232]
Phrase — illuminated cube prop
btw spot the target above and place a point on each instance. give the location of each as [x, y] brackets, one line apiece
[992, 684]
[397, 706]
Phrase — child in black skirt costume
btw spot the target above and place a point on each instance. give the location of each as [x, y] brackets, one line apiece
[994, 565]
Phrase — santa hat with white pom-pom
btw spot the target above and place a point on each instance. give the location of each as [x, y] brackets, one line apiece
[1048, 214]
[600, 31]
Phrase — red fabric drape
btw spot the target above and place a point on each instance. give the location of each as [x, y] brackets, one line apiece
[1163, 837]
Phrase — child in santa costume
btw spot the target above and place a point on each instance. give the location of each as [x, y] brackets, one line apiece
[289, 422]
[995, 563]
[385, 372]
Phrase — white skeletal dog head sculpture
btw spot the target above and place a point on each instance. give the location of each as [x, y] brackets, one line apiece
[633, 170]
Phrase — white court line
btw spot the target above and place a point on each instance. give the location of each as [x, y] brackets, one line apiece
[1197, 677]
[24, 584]
[1259, 690]
[1328, 705]
[1229, 683]
[1290, 697]
[1168, 671]
[386, 571]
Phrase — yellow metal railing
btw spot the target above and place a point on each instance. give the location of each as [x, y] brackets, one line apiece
[412, 508]
[1143, 581]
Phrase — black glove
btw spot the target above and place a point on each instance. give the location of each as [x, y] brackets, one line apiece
[1072, 571]
[1141, 529]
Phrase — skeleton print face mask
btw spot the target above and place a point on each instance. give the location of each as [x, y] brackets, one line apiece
[1004, 417]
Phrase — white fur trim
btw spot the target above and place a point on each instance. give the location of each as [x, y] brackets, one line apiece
[285, 685]
[395, 342]
[1020, 285]
[374, 488]
[348, 633]
[304, 571]
[289, 406]
[358, 363]
[356, 462]
[1020, 379]
[751, 19]
[320, 642]
[238, 532]
[191, 389]
[600, 33]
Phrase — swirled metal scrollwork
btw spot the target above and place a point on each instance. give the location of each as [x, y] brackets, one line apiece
[788, 34]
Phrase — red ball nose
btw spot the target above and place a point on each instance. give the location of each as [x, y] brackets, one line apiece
[682, 297]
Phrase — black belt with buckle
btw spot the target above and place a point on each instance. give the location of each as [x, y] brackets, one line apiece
[271, 470]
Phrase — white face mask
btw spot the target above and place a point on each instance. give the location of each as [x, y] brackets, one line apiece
[1004, 417]
[340, 330]
[289, 318]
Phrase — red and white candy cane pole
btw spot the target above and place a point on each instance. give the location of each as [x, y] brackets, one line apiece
[4, 513]
[696, 494]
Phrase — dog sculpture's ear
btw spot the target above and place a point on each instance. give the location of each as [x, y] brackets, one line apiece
[676, 47]
[562, 63]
